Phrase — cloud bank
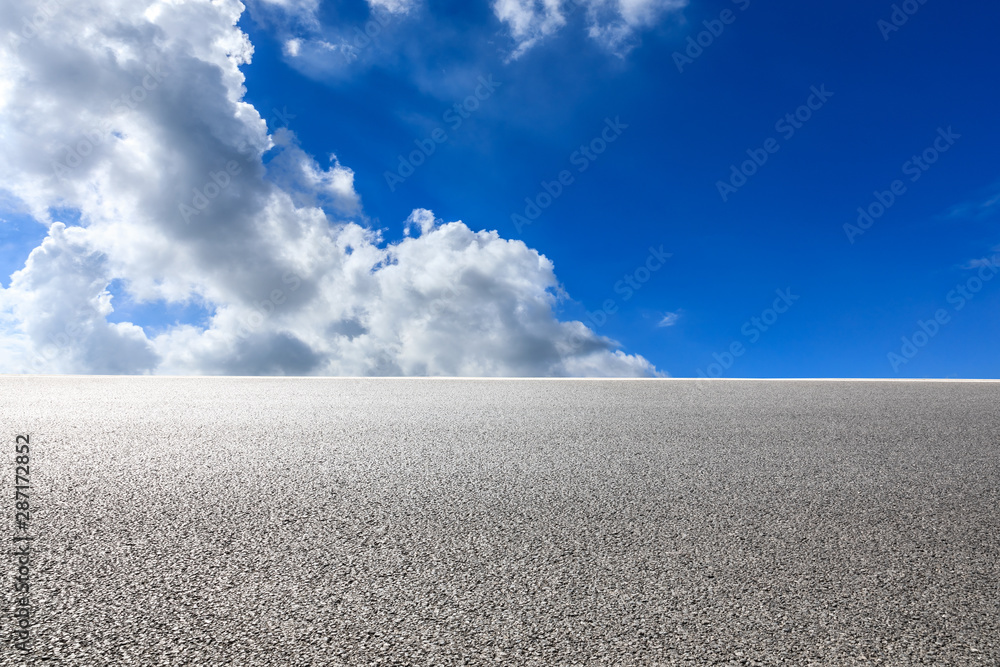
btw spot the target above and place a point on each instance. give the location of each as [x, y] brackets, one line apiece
[131, 116]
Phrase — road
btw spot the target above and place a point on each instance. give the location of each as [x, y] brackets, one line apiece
[252, 521]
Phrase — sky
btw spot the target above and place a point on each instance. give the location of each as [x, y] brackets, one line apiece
[605, 188]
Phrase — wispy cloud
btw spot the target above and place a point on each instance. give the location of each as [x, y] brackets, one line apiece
[614, 24]
[669, 319]
[985, 205]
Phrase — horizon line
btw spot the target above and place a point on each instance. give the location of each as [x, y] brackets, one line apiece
[496, 378]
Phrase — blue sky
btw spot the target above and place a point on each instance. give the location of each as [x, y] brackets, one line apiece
[885, 96]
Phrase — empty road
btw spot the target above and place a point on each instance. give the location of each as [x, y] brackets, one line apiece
[251, 521]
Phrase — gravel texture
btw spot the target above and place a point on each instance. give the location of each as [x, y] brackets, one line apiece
[239, 521]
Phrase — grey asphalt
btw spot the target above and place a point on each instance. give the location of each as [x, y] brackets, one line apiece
[233, 521]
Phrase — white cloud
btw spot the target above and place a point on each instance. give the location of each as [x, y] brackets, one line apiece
[644, 12]
[529, 20]
[421, 219]
[134, 116]
[292, 47]
[294, 5]
[612, 23]
[298, 12]
[60, 302]
[315, 48]
[669, 320]
[393, 6]
[301, 176]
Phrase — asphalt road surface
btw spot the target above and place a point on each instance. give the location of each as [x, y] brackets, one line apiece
[234, 521]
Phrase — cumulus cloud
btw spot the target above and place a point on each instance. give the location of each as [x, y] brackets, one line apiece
[61, 302]
[133, 115]
[612, 23]
[302, 177]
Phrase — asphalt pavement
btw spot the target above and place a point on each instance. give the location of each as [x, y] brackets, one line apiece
[252, 521]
